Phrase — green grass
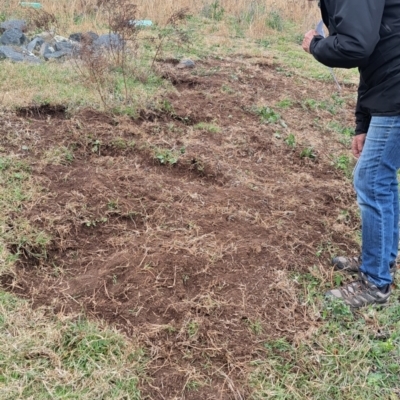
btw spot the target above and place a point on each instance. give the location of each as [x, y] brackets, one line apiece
[345, 132]
[287, 51]
[267, 115]
[344, 163]
[62, 83]
[43, 356]
[167, 156]
[16, 187]
[207, 127]
[350, 356]
[45, 83]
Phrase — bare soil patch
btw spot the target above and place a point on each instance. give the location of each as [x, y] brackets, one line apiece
[185, 227]
[43, 111]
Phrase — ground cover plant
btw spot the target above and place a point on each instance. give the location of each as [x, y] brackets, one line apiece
[173, 241]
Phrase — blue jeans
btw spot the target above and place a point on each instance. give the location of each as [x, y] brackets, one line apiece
[375, 181]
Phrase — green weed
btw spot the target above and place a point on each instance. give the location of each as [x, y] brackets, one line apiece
[59, 155]
[308, 152]
[275, 20]
[331, 105]
[167, 157]
[291, 140]
[91, 223]
[205, 126]
[227, 89]
[346, 133]
[268, 115]
[122, 144]
[96, 145]
[213, 10]
[285, 103]
[255, 327]
[192, 328]
[193, 385]
[343, 163]
[264, 43]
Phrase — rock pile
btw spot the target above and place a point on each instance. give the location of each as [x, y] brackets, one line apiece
[15, 45]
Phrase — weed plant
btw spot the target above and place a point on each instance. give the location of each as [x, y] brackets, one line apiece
[343, 163]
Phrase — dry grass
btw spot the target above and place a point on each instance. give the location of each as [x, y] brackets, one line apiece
[63, 357]
[90, 13]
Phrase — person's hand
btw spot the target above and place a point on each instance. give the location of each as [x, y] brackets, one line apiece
[308, 37]
[358, 144]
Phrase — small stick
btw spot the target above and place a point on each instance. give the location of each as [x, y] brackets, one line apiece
[320, 30]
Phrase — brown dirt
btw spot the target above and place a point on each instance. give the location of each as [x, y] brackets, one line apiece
[194, 259]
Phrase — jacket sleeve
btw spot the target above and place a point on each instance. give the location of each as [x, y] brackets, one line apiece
[356, 25]
[363, 117]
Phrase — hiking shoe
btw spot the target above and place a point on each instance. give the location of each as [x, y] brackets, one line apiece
[347, 264]
[353, 264]
[360, 293]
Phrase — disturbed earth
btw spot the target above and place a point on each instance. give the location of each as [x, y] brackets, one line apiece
[188, 226]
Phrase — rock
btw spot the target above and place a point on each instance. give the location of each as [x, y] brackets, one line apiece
[35, 44]
[18, 54]
[80, 37]
[56, 55]
[186, 63]
[68, 47]
[89, 37]
[47, 36]
[14, 24]
[58, 50]
[109, 41]
[14, 37]
[76, 37]
[60, 39]
[46, 48]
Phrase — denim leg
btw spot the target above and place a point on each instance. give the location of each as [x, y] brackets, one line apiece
[395, 243]
[375, 181]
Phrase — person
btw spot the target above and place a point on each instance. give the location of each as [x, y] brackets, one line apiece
[366, 34]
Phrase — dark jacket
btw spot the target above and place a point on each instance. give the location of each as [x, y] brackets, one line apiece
[364, 34]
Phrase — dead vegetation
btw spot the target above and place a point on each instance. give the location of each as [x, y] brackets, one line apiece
[256, 15]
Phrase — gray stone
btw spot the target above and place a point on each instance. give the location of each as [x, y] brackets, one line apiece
[68, 47]
[35, 44]
[13, 24]
[56, 55]
[12, 37]
[76, 37]
[47, 36]
[46, 48]
[18, 55]
[60, 39]
[186, 63]
[79, 37]
[109, 41]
